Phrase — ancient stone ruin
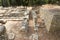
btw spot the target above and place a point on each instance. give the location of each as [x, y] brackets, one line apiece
[17, 23]
[27, 23]
[51, 18]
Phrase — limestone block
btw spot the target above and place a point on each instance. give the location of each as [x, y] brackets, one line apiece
[51, 18]
[2, 11]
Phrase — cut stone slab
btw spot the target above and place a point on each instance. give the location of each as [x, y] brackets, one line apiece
[51, 18]
[3, 11]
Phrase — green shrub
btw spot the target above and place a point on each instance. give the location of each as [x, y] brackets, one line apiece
[13, 2]
[27, 2]
[4, 3]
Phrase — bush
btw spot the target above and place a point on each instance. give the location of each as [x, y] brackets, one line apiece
[27, 2]
[5, 3]
[13, 2]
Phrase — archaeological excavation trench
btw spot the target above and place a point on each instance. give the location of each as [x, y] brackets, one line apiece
[28, 24]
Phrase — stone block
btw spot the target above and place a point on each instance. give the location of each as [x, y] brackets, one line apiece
[51, 18]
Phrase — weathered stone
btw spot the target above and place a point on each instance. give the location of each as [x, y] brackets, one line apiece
[11, 36]
[2, 29]
[34, 36]
[51, 18]
[2, 11]
[10, 13]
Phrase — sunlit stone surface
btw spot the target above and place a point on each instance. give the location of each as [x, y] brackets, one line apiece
[51, 18]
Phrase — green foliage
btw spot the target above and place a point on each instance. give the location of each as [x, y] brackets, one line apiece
[13, 2]
[46, 1]
[5, 3]
[27, 2]
[0, 2]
